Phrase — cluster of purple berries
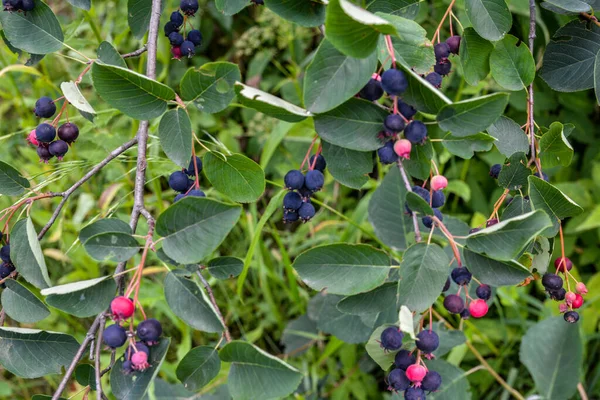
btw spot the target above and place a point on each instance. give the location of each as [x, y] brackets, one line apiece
[435, 197]
[455, 304]
[296, 203]
[18, 5]
[181, 182]
[183, 46]
[442, 63]
[553, 284]
[410, 374]
[148, 333]
[45, 134]
[6, 267]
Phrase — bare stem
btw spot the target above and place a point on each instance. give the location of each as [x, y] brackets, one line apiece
[97, 358]
[408, 187]
[530, 94]
[136, 53]
[214, 303]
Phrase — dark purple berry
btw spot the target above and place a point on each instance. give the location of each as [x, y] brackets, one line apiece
[191, 170]
[179, 197]
[372, 90]
[44, 153]
[306, 212]
[314, 180]
[394, 82]
[114, 336]
[484, 291]
[179, 182]
[438, 198]
[474, 230]
[453, 44]
[394, 123]
[403, 359]
[414, 393]
[175, 38]
[454, 303]
[491, 222]
[5, 254]
[558, 295]
[424, 193]
[432, 381]
[290, 216]
[170, 27]
[428, 341]
[435, 79]
[544, 176]
[195, 37]
[127, 367]
[58, 148]
[189, 7]
[177, 18]
[320, 165]
[552, 281]
[406, 110]
[294, 180]
[196, 193]
[443, 68]
[461, 276]
[416, 132]
[441, 51]
[387, 155]
[27, 5]
[428, 221]
[45, 133]
[465, 314]
[292, 201]
[44, 107]
[149, 331]
[68, 132]
[397, 380]
[495, 170]
[391, 338]
[571, 316]
[188, 49]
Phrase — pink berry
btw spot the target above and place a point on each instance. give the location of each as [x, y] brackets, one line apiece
[415, 373]
[560, 263]
[32, 138]
[176, 51]
[439, 182]
[580, 288]
[478, 308]
[402, 148]
[140, 361]
[563, 307]
[578, 302]
[570, 298]
[122, 308]
[376, 76]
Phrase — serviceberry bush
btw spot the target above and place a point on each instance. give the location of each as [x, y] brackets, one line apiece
[244, 199]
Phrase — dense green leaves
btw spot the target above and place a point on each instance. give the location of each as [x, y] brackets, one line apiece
[190, 303]
[83, 298]
[423, 272]
[490, 18]
[200, 221]
[466, 146]
[552, 352]
[104, 225]
[349, 167]
[254, 374]
[555, 149]
[175, 134]
[513, 175]
[26, 254]
[353, 125]
[304, 13]
[235, 175]
[199, 366]
[36, 32]
[566, 6]
[512, 64]
[11, 181]
[555, 203]
[211, 86]
[493, 272]
[333, 77]
[422, 95]
[30, 353]
[474, 56]
[134, 94]
[22, 305]
[343, 268]
[472, 116]
[138, 16]
[403, 8]
[269, 104]
[352, 30]
[510, 138]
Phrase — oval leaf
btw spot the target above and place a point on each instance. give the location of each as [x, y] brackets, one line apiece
[26, 254]
[555, 203]
[11, 182]
[84, 298]
[22, 305]
[512, 64]
[112, 246]
[236, 176]
[138, 16]
[74, 96]
[270, 105]
[175, 134]
[198, 367]
[304, 13]
[349, 167]
[510, 138]
[490, 18]
[494, 272]
[472, 116]
[474, 56]
[225, 267]
[211, 86]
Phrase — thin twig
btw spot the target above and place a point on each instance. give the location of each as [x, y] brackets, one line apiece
[136, 53]
[530, 99]
[581, 391]
[2, 317]
[414, 214]
[97, 358]
[590, 18]
[214, 303]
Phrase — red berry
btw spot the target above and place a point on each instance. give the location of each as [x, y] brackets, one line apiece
[560, 264]
[578, 302]
[478, 308]
[32, 138]
[402, 148]
[122, 308]
[176, 51]
[439, 182]
[415, 373]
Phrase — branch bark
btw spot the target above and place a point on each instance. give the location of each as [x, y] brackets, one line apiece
[414, 214]
[530, 98]
[214, 303]
[136, 53]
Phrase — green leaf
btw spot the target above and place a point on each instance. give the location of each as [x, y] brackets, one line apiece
[109, 55]
[387, 213]
[354, 125]
[26, 254]
[404, 8]
[542, 252]
[191, 304]
[552, 351]
[518, 206]
[85, 375]
[555, 203]
[419, 164]
[352, 30]
[566, 6]
[466, 146]
[198, 367]
[83, 4]
[349, 167]
[570, 57]
[175, 134]
[382, 357]
[73, 95]
[332, 77]
[268, 104]
[37, 31]
[513, 176]
[423, 273]
[298, 335]
[235, 176]
[407, 323]
[211, 86]
[304, 13]
[31, 353]
[112, 246]
[203, 222]
[472, 116]
[422, 95]
[348, 328]
[494, 272]
[510, 138]
[505, 240]
[138, 16]
[343, 268]
[11, 182]
[474, 56]
[371, 302]
[231, 7]
[84, 298]
[22, 305]
[555, 149]
[134, 386]
[512, 64]
[104, 225]
[597, 77]
[449, 339]
[132, 93]
[490, 18]
[254, 374]
[417, 204]
[455, 384]
[225, 267]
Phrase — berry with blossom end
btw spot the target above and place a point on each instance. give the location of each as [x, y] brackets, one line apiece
[397, 380]
[176, 52]
[491, 222]
[189, 7]
[439, 182]
[176, 39]
[402, 148]
[121, 308]
[443, 67]
[177, 18]
[432, 381]
[187, 49]
[404, 359]
[114, 336]
[465, 314]
[414, 393]
[435, 79]
[292, 201]
[461, 276]
[415, 373]
[195, 36]
[306, 212]
[454, 304]
[139, 361]
[45, 133]
[478, 308]
[294, 180]
[428, 341]
[561, 263]
[552, 282]
[578, 301]
[314, 180]
[391, 338]
[571, 316]
[438, 198]
[558, 295]
[387, 153]
[453, 43]
[44, 154]
[139, 346]
[149, 331]
[581, 288]
[394, 123]
[31, 138]
[45, 107]
[58, 148]
[484, 291]
[68, 132]
[569, 298]
[441, 51]
[416, 132]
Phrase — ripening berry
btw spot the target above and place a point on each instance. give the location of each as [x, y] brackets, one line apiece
[435, 79]
[292, 201]
[403, 359]
[149, 331]
[578, 301]
[176, 39]
[320, 164]
[461, 276]
[114, 336]
[484, 291]
[68, 132]
[31, 138]
[441, 51]
[560, 263]
[44, 107]
[179, 182]
[195, 37]
[552, 281]
[478, 308]
[415, 373]
[306, 212]
[139, 346]
[495, 170]
[44, 154]
[571, 316]
[45, 133]
[393, 123]
[432, 381]
[416, 132]
[391, 338]
[191, 169]
[454, 304]
[294, 180]
[372, 91]
[414, 393]
[177, 18]
[176, 52]
[438, 198]
[121, 308]
[428, 341]
[439, 182]
[58, 148]
[314, 180]
[189, 7]
[397, 380]
[428, 221]
[569, 298]
[581, 288]
[406, 110]
[453, 44]
[394, 82]
[187, 49]
[127, 367]
[443, 67]
[139, 361]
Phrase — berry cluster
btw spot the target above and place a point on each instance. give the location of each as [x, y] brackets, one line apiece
[18, 5]
[410, 374]
[553, 284]
[435, 197]
[6, 268]
[180, 181]
[443, 65]
[183, 45]
[148, 332]
[44, 136]
[296, 203]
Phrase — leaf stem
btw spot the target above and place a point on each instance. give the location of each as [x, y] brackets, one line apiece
[226, 333]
